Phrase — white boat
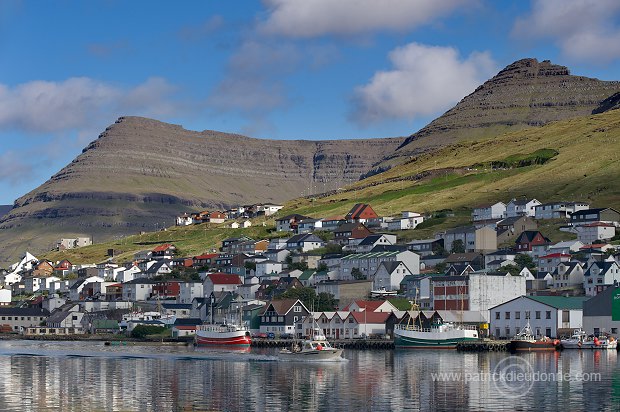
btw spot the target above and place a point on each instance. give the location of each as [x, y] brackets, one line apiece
[146, 317]
[575, 341]
[438, 336]
[606, 342]
[317, 348]
[381, 293]
[223, 335]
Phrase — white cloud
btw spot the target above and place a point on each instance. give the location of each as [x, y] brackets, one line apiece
[424, 81]
[311, 18]
[583, 29]
[44, 106]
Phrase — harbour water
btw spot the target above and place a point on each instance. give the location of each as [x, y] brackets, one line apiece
[79, 376]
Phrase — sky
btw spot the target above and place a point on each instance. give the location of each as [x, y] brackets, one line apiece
[278, 69]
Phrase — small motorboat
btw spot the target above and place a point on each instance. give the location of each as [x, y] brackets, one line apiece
[317, 348]
[576, 341]
[604, 342]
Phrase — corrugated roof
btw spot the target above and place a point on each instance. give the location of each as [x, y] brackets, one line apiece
[370, 255]
[561, 302]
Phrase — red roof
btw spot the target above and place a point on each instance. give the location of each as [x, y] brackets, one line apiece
[599, 224]
[555, 255]
[370, 317]
[163, 248]
[595, 246]
[224, 279]
[206, 256]
[179, 327]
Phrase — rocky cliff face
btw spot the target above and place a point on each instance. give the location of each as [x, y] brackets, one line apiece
[526, 93]
[140, 173]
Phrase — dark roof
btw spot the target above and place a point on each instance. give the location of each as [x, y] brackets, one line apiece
[521, 201]
[349, 227]
[390, 266]
[304, 237]
[590, 211]
[24, 312]
[462, 257]
[176, 305]
[462, 229]
[602, 266]
[369, 240]
[295, 216]
[509, 221]
[188, 322]
[529, 235]
[390, 248]
[140, 281]
[155, 267]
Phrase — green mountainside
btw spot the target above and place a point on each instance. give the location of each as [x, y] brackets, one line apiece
[577, 159]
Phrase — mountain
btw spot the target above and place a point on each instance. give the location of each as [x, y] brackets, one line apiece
[572, 159]
[527, 93]
[4, 209]
[139, 173]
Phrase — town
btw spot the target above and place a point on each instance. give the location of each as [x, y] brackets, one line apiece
[349, 274]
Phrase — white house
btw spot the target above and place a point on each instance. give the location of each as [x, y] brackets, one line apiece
[304, 242]
[368, 263]
[184, 220]
[599, 276]
[370, 241]
[220, 282]
[408, 220]
[595, 232]
[521, 207]
[558, 210]
[547, 315]
[389, 275]
[566, 247]
[5, 297]
[549, 262]
[76, 288]
[268, 266]
[128, 274]
[190, 290]
[567, 274]
[489, 211]
[138, 289]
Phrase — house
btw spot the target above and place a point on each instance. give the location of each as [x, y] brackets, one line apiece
[389, 275]
[43, 269]
[226, 243]
[502, 255]
[249, 288]
[285, 283]
[75, 290]
[559, 210]
[426, 247]
[308, 225]
[18, 319]
[184, 220]
[459, 270]
[215, 217]
[599, 276]
[369, 242]
[549, 316]
[267, 267]
[345, 291]
[283, 316]
[289, 223]
[475, 260]
[304, 242]
[598, 313]
[179, 310]
[549, 262]
[138, 290]
[350, 232]
[220, 282]
[167, 289]
[408, 220]
[165, 251]
[268, 209]
[567, 274]
[185, 327]
[527, 240]
[509, 228]
[605, 215]
[368, 263]
[596, 232]
[361, 324]
[363, 213]
[477, 291]
[159, 268]
[489, 211]
[472, 239]
[521, 207]
[73, 243]
[330, 224]
[67, 317]
[190, 290]
[566, 247]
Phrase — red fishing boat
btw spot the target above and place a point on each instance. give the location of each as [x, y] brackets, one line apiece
[217, 335]
[526, 341]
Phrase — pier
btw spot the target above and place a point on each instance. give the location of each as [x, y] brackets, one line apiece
[378, 344]
[484, 346]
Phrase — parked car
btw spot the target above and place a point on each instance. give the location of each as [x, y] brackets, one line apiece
[260, 336]
[286, 336]
[271, 335]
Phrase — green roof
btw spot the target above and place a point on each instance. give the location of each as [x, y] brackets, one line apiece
[307, 274]
[105, 324]
[561, 302]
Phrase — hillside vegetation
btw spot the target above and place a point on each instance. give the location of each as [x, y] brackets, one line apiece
[575, 159]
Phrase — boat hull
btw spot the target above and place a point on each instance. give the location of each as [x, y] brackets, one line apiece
[314, 355]
[433, 340]
[223, 338]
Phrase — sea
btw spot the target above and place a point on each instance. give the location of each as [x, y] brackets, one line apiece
[89, 376]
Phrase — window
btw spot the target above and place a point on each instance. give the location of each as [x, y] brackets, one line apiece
[496, 316]
[537, 314]
[280, 318]
[497, 332]
[565, 316]
[614, 330]
[508, 332]
[507, 315]
[548, 314]
[548, 332]
[527, 314]
[517, 315]
[297, 309]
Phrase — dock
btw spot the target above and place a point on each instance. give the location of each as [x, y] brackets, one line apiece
[369, 344]
[484, 346]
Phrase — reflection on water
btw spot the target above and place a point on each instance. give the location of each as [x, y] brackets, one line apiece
[88, 376]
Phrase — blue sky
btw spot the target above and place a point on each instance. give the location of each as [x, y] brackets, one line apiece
[282, 69]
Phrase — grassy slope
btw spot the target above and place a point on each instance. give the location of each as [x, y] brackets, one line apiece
[586, 168]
